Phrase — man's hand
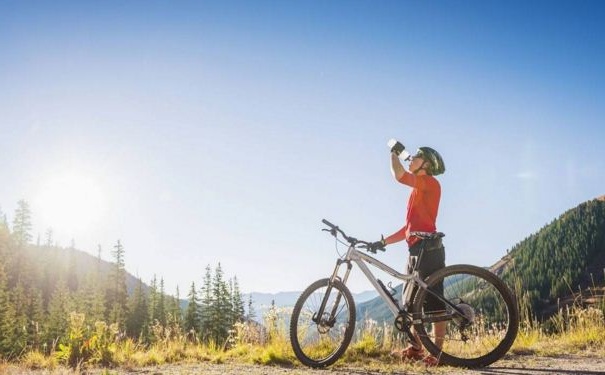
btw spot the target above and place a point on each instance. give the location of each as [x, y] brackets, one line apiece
[398, 148]
[378, 245]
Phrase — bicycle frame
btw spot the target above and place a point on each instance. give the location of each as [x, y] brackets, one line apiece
[359, 258]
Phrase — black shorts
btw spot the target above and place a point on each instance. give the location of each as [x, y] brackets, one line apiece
[426, 262]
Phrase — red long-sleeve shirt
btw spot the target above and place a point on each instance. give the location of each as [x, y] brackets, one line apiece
[423, 207]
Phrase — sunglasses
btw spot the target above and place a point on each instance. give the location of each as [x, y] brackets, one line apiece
[412, 157]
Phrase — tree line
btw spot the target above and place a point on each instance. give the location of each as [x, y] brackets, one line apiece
[42, 284]
[563, 257]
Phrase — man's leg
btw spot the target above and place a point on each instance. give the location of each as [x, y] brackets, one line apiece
[439, 331]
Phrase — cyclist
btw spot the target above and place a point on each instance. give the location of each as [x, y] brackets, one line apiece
[421, 216]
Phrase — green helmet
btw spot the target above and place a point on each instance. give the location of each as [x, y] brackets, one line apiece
[431, 156]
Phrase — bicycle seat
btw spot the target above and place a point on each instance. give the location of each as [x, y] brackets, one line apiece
[428, 235]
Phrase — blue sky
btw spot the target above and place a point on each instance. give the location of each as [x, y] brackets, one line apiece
[204, 132]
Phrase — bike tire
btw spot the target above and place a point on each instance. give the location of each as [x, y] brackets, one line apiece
[320, 345]
[481, 295]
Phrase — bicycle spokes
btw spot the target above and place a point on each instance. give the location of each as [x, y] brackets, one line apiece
[479, 325]
[320, 337]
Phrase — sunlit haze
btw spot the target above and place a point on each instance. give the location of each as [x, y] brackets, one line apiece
[70, 203]
[224, 131]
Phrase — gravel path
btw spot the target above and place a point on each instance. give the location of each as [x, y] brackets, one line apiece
[526, 365]
[516, 365]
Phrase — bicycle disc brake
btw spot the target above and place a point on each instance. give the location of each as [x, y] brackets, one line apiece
[324, 324]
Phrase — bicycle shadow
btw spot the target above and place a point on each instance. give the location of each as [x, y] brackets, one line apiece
[483, 371]
[533, 371]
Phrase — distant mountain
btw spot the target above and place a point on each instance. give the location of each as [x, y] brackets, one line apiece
[376, 309]
[81, 263]
[262, 301]
[562, 258]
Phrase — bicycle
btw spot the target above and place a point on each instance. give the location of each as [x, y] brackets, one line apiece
[480, 310]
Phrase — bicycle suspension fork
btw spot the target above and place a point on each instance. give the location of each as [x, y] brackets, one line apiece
[334, 278]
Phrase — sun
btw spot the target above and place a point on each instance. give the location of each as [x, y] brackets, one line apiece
[70, 203]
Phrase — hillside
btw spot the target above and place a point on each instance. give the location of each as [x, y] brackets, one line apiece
[549, 267]
[563, 258]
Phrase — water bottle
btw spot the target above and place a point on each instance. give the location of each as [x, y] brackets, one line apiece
[398, 148]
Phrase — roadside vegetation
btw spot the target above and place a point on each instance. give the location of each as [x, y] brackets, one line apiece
[574, 330]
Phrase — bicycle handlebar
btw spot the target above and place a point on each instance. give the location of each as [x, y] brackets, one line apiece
[334, 230]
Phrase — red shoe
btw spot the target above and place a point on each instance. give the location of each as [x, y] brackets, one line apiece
[430, 361]
[409, 353]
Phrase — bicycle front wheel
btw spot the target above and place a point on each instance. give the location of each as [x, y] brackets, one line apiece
[479, 330]
[318, 340]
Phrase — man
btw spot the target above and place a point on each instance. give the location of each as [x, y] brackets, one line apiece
[422, 209]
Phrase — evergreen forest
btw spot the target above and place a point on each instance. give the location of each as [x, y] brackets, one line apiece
[44, 288]
[565, 257]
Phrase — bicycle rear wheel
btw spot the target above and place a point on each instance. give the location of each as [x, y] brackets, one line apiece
[319, 341]
[489, 325]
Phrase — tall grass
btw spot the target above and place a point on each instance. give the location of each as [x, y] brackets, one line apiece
[577, 328]
[573, 329]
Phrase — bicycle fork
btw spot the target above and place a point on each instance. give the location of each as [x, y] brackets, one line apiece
[317, 317]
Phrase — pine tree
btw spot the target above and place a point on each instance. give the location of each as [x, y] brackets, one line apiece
[19, 301]
[117, 295]
[22, 225]
[175, 311]
[153, 301]
[237, 303]
[191, 323]
[7, 317]
[59, 307]
[49, 238]
[97, 305]
[162, 303]
[206, 306]
[91, 298]
[251, 312]
[35, 318]
[221, 307]
[137, 324]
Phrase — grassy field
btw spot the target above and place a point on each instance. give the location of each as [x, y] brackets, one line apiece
[578, 331]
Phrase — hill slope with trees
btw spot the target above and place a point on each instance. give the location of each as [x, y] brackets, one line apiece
[566, 256]
[42, 286]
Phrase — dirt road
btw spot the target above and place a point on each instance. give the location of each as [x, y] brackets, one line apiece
[519, 365]
[516, 365]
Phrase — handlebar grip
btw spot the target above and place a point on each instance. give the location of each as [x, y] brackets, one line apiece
[328, 223]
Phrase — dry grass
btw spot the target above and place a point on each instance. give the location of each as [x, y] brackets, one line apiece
[573, 331]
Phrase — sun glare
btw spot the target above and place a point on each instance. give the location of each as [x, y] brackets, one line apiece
[70, 203]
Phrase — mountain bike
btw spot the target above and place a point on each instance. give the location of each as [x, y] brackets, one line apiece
[481, 313]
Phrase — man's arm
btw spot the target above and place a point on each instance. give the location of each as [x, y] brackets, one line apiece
[395, 237]
[396, 167]
[399, 172]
